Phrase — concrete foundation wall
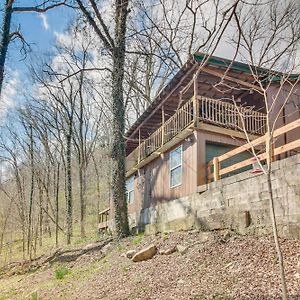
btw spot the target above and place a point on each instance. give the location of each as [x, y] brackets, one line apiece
[239, 202]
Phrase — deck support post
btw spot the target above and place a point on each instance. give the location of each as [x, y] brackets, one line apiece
[216, 165]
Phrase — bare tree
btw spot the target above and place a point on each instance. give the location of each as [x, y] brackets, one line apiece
[115, 45]
[272, 59]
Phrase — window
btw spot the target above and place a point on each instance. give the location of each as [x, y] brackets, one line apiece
[130, 189]
[176, 167]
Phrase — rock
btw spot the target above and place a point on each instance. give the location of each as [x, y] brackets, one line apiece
[204, 237]
[297, 275]
[145, 254]
[298, 267]
[229, 265]
[168, 251]
[226, 235]
[181, 249]
[130, 253]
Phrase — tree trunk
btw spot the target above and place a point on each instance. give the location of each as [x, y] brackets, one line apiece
[5, 38]
[98, 188]
[30, 232]
[118, 110]
[69, 187]
[82, 162]
[56, 182]
[272, 215]
[41, 214]
[47, 188]
[82, 195]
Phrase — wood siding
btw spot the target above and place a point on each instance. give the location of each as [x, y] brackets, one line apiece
[152, 182]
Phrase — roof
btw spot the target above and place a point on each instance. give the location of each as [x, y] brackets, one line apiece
[270, 75]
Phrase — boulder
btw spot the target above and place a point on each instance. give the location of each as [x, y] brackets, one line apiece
[168, 251]
[181, 249]
[145, 254]
[130, 253]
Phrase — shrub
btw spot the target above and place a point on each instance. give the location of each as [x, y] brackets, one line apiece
[34, 296]
[61, 272]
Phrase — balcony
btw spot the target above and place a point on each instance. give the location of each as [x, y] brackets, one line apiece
[187, 118]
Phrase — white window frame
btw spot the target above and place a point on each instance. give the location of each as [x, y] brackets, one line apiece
[175, 167]
[131, 191]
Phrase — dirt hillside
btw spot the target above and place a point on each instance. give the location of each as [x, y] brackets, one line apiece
[214, 265]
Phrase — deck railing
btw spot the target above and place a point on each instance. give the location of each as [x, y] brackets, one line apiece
[231, 116]
[208, 111]
[103, 219]
[180, 120]
[215, 171]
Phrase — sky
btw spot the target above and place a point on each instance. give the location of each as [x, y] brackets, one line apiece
[39, 30]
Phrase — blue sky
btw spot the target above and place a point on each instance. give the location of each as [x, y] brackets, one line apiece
[39, 31]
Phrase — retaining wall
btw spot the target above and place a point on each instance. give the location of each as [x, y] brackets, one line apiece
[239, 202]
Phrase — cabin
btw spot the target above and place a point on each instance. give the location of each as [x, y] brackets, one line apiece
[211, 106]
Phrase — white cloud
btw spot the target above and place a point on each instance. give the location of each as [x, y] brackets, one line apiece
[9, 92]
[44, 19]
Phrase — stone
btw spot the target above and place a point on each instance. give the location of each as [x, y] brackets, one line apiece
[297, 275]
[204, 237]
[181, 249]
[130, 253]
[226, 235]
[168, 251]
[145, 254]
[298, 267]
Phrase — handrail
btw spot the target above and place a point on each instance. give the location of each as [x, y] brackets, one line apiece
[216, 162]
[232, 116]
[175, 124]
[104, 218]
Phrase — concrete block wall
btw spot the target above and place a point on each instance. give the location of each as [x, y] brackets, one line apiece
[240, 203]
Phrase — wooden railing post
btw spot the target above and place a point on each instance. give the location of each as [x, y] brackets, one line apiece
[195, 100]
[163, 125]
[139, 155]
[216, 164]
[270, 149]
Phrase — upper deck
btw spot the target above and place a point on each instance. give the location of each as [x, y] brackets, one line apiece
[192, 115]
